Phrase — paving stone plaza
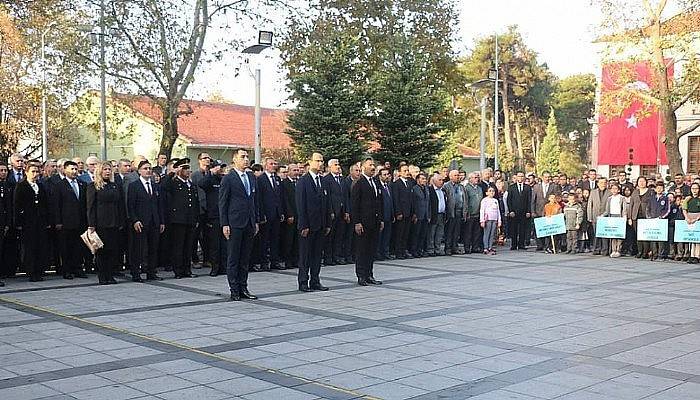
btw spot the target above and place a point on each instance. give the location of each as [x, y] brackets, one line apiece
[521, 325]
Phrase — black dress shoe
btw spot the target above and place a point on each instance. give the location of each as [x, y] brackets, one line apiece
[179, 276]
[373, 281]
[362, 282]
[102, 282]
[339, 261]
[234, 297]
[247, 295]
[264, 267]
[305, 288]
[81, 275]
[256, 268]
[67, 276]
[153, 278]
[137, 279]
[111, 282]
[213, 273]
[390, 257]
[329, 263]
[279, 267]
[320, 288]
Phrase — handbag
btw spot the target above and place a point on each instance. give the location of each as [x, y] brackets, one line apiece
[92, 241]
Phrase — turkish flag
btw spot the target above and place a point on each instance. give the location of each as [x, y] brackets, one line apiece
[637, 128]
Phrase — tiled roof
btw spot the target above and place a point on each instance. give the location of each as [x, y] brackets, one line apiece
[467, 151]
[213, 124]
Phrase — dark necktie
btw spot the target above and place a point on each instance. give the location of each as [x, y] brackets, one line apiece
[318, 181]
[148, 188]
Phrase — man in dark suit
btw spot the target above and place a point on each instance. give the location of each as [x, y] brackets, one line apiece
[88, 176]
[214, 238]
[183, 215]
[16, 173]
[313, 224]
[402, 196]
[239, 215]
[348, 239]
[271, 200]
[289, 247]
[146, 214]
[5, 211]
[335, 240]
[519, 199]
[540, 195]
[367, 221]
[32, 218]
[69, 201]
[589, 183]
[384, 242]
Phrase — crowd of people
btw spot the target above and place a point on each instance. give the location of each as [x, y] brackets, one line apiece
[237, 218]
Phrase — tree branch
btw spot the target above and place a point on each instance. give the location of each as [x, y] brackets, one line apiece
[196, 51]
[687, 97]
[163, 41]
[194, 44]
[141, 88]
[688, 130]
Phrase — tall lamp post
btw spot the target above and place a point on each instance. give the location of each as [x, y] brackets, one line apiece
[494, 73]
[264, 42]
[44, 116]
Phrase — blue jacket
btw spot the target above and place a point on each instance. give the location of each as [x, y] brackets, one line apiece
[421, 202]
[236, 208]
[388, 202]
[658, 207]
[312, 204]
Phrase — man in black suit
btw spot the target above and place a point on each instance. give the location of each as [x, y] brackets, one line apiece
[271, 200]
[519, 199]
[401, 192]
[367, 221]
[70, 220]
[5, 211]
[183, 215]
[348, 239]
[16, 173]
[239, 215]
[589, 183]
[313, 224]
[31, 218]
[384, 242]
[289, 247]
[334, 241]
[146, 215]
[214, 238]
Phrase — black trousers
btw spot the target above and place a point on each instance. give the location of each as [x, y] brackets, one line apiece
[400, 231]
[270, 241]
[519, 231]
[452, 230]
[2, 246]
[107, 258]
[72, 250]
[289, 246]
[419, 237]
[217, 248]
[165, 259]
[310, 258]
[145, 250]
[33, 250]
[180, 239]
[365, 250]
[335, 240]
[200, 235]
[470, 234]
[348, 242]
[239, 246]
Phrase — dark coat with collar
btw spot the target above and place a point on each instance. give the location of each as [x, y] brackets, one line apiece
[183, 202]
[311, 204]
[145, 208]
[69, 210]
[236, 208]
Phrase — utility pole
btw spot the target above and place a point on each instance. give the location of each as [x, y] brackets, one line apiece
[103, 83]
[482, 141]
[44, 116]
[495, 112]
[258, 118]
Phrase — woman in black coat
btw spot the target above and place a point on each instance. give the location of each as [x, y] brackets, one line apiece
[32, 219]
[106, 215]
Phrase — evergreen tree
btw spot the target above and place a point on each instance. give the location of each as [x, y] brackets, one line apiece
[410, 112]
[330, 108]
[548, 155]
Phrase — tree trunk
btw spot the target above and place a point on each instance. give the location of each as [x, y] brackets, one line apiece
[520, 158]
[506, 115]
[167, 142]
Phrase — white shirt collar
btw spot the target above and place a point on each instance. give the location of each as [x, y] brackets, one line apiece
[144, 181]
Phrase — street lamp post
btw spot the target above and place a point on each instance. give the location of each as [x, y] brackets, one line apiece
[264, 42]
[44, 116]
[103, 84]
[482, 139]
[495, 111]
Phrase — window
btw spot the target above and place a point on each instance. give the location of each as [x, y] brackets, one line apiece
[647, 171]
[614, 169]
[693, 154]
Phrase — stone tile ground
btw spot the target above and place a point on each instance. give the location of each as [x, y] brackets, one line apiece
[517, 326]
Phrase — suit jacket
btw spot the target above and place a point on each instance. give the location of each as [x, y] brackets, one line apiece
[587, 184]
[387, 204]
[336, 198]
[449, 189]
[639, 203]
[105, 207]
[596, 204]
[270, 197]
[210, 185]
[145, 208]
[182, 202]
[197, 178]
[236, 208]
[366, 204]
[421, 202]
[69, 210]
[346, 186]
[11, 177]
[434, 202]
[311, 204]
[403, 198]
[289, 208]
[519, 202]
[539, 198]
[126, 181]
[6, 200]
[85, 178]
[31, 210]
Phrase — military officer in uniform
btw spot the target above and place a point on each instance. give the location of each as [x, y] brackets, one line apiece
[183, 215]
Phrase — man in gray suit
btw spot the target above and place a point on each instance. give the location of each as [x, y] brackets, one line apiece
[596, 208]
[456, 211]
[540, 195]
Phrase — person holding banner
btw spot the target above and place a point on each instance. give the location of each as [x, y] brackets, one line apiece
[594, 209]
[639, 201]
[691, 211]
[550, 209]
[616, 206]
[678, 251]
[658, 207]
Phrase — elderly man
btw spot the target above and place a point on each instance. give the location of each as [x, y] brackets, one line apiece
[289, 249]
[88, 176]
[455, 212]
[16, 173]
[438, 207]
[271, 200]
[334, 241]
[471, 229]
[540, 196]
[596, 208]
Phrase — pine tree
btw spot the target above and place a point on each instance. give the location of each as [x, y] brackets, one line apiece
[548, 155]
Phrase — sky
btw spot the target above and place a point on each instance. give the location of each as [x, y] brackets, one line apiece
[560, 31]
